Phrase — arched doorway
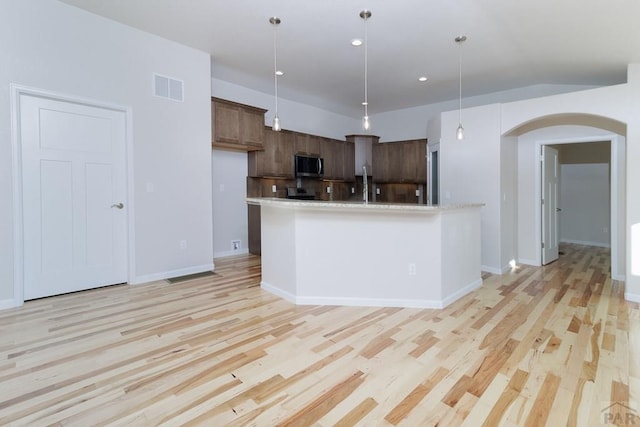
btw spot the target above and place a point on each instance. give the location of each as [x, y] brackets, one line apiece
[559, 129]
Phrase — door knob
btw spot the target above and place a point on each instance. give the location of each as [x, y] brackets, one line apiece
[118, 205]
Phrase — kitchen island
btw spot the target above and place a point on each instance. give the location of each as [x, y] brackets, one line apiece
[375, 254]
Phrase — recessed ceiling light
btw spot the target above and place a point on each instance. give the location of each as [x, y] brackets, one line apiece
[356, 42]
[279, 73]
[422, 78]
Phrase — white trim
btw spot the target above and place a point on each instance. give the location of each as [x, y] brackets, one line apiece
[619, 277]
[462, 292]
[431, 148]
[288, 296]
[632, 297]
[371, 302]
[531, 262]
[231, 253]
[16, 91]
[18, 226]
[491, 270]
[9, 303]
[154, 277]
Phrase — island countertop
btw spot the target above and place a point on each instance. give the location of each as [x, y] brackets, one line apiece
[358, 205]
[375, 254]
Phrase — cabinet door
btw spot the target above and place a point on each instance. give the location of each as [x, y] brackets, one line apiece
[284, 154]
[276, 159]
[252, 127]
[349, 159]
[226, 123]
[395, 159]
[306, 144]
[415, 162]
[328, 153]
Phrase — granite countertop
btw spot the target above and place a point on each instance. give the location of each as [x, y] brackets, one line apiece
[351, 205]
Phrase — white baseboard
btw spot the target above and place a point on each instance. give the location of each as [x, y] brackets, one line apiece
[586, 243]
[531, 262]
[632, 297]
[370, 302]
[462, 292]
[9, 303]
[230, 253]
[619, 277]
[173, 273]
[278, 292]
[491, 270]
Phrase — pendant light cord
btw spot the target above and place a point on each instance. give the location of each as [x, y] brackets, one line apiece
[366, 68]
[275, 64]
[460, 82]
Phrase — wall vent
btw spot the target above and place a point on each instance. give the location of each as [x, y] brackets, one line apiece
[167, 87]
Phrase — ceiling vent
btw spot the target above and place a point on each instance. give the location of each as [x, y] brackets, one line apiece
[166, 87]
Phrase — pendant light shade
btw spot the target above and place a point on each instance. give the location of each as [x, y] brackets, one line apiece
[460, 130]
[275, 21]
[366, 124]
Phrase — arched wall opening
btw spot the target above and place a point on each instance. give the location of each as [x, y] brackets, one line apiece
[555, 129]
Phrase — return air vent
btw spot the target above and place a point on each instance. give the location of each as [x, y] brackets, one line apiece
[166, 87]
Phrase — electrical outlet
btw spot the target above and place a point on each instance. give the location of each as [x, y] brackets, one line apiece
[377, 191]
[328, 190]
[221, 188]
[273, 189]
[353, 190]
[183, 245]
[417, 193]
[412, 269]
[235, 245]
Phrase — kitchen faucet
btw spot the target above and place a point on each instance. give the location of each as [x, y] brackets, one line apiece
[365, 187]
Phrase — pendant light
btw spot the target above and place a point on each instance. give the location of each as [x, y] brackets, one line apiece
[460, 130]
[366, 124]
[275, 21]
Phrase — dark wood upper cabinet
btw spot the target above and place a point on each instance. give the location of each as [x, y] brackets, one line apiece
[236, 126]
[276, 158]
[400, 162]
[307, 144]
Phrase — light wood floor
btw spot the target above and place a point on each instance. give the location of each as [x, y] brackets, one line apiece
[538, 346]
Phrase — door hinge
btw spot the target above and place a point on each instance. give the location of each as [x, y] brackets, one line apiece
[542, 245]
[543, 201]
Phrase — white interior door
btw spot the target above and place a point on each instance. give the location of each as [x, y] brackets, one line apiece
[74, 188]
[550, 179]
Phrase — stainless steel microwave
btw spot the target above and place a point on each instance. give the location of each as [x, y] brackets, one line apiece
[308, 166]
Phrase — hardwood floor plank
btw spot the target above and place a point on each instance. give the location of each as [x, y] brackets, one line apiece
[536, 345]
[542, 405]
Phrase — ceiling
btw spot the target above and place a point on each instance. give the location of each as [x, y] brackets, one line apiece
[510, 44]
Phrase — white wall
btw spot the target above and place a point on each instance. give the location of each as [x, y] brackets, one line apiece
[584, 199]
[470, 172]
[56, 47]
[412, 123]
[508, 201]
[229, 202]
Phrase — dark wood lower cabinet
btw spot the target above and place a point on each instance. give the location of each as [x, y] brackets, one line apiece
[254, 229]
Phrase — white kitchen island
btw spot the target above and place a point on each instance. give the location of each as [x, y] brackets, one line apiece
[375, 254]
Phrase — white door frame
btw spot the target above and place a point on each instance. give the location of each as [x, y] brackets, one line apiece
[16, 91]
[615, 170]
[430, 149]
